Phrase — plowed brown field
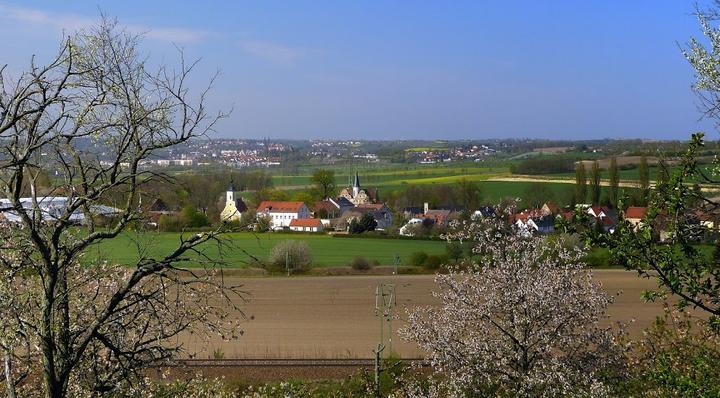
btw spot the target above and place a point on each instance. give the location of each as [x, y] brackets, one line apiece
[333, 317]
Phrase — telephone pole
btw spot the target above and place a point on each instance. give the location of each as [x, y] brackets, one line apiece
[384, 305]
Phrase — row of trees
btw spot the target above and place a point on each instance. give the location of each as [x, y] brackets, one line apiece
[589, 188]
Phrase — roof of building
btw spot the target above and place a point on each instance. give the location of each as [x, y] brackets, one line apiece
[374, 206]
[596, 210]
[326, 205]
[344, 202]
[635, 212]
[240, 205]
[552, 207]
[158, 205]
[52, 208]
[413, 210]
[439, 216]
[305, 222]
[486, 211]
[356, 182]
[274, 206]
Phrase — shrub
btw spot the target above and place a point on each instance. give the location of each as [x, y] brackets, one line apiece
[262, 224]
[418, 259]
[366, 223]
[360, 263]
[434, 261]
[189, 218]
[291, 253]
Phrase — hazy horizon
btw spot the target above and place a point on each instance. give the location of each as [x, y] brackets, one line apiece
[564, 70]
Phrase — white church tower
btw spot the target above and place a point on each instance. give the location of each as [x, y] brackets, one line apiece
[234, 206]
[356, 185]
[230, 194]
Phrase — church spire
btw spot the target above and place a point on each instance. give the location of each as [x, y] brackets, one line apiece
[356, 185]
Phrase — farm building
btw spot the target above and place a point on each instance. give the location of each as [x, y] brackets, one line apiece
[51, 208]
[306, 225]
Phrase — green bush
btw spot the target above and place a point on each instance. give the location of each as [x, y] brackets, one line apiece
[434, 262]
[418, 259]
[290, 253]
[360, 263]
[188, 218]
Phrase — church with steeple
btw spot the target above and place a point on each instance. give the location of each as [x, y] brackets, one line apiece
[234, 205]
[358, 195]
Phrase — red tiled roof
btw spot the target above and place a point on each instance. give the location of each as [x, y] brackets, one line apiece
[568, 215]
[279, 207]
[635, 212]
[305, 222]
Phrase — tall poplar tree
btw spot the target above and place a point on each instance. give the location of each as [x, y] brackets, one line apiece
[614, 182]
[580, 183]
[595, 189]
[644, 182]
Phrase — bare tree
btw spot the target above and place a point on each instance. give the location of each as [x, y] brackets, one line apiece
[523, 321]
[93, 116]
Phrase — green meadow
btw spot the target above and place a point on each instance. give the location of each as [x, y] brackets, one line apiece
[246, 249]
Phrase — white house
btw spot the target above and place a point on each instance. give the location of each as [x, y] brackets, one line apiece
[307, 225]
[282, 213]
[406, 230]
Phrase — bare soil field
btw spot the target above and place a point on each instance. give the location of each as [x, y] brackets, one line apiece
[333, 317]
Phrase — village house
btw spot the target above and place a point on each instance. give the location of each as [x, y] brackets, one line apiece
[534, 221]
[380, 212]
[281, 213]
[635, 214]
[331, 208]
[604, 216]
[157, 209]
[306, 225]
[234, 205]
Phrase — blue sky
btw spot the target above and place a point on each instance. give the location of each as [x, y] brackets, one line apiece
[412, 70]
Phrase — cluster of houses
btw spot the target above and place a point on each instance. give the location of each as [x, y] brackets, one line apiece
[352, 203]
[542, 220]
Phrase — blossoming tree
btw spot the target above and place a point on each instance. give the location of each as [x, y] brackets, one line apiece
[70, 324]
[523, 318]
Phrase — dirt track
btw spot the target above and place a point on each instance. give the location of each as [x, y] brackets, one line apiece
[333, 317]
[570, 180]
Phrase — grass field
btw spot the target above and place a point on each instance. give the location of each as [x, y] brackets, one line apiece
[394, 174]
[333, 317]
[240, 248]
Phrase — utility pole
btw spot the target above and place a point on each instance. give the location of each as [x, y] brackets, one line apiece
[384, 305]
